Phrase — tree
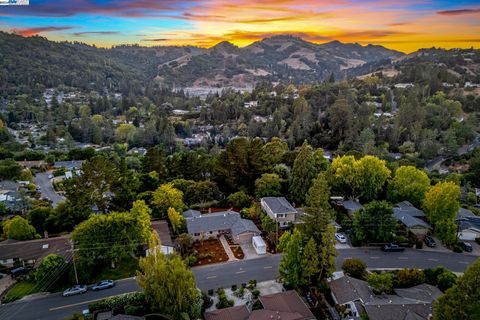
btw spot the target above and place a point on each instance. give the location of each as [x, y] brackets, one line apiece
[309, 262]
[239, 199]
[166, 196]
[273, 152]
[269, 185]
[303, 173]
[176, 220]
[202, 192]
[291, 267]
[98, 177]
[108, 238]
[38, 216]
[406, 278]
[327, 253]
[462, 301]
[354, 267]
[409, 184]
[381, 282]
[18, 228]
[441, 206]
[359, 178]
[154, 160]
[168, 284]
[52, 266]
[373, 223]
[319, 193]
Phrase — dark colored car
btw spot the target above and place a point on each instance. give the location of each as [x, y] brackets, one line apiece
[467, 247]
[104, 284]
[392, 248]
[429, 241]
[20, 271]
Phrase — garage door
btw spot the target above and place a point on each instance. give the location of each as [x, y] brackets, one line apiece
[245, 237]
[467, 235]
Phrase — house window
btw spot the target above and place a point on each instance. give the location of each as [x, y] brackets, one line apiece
[196, 234]
[211, 232]
[280, 215]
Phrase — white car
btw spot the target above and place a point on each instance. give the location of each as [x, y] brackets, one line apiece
[341, 238]
[78, 289]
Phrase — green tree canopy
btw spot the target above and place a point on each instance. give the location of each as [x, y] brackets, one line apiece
[18, 228]
[168, 284]
[166, 196]
[52, 266]
[303, 173]
[269, 185]
[373, 223]
[409, 184]
[381, 282]
[462, 301]
[441, 206]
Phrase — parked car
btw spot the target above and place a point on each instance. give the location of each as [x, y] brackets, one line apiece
[104, 284]
[429, 241]
[50, 176]
[392, 248]
[467, 247]
[77, 289]
[341, 238]
[20, 271]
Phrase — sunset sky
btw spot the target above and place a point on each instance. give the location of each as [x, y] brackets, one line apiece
[402, 25]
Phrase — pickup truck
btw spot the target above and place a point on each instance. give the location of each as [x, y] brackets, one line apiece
[392, 248]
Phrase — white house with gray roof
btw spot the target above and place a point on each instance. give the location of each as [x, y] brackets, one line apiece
[279, 209]
[411, 218]
[204, 226]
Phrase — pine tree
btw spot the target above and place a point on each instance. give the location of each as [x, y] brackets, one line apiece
[303, 173]
[310, 262]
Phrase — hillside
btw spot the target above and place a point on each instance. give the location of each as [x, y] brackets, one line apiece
[33, 63]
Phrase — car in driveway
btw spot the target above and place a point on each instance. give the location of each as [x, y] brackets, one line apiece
[104, 284]
[340, 238]
[391, 247]
[430, 242]
[77, 289]
[467, 247]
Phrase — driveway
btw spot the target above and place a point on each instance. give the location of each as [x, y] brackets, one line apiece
[46, 188]
[249, 251]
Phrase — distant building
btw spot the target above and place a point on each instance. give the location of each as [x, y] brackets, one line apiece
[404, 85]
[468, 225]
[250, 104]
[411, 218]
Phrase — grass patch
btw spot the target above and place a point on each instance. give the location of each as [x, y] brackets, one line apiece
[125, 269]
[19, 290]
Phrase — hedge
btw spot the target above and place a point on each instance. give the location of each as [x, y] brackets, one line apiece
[118, 302]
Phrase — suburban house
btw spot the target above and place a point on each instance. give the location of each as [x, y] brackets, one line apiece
[468, 225]
[69, 165]
[411, 218]
[409, 303]
[349, 207]
[31, 252]
[204, 226]
[161, 227]
[283, 305]
[279, 209]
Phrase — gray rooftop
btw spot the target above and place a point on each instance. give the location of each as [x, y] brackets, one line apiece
[352, 205]
[278, 205]
[407, 208]
[408, 220]
[466, 219]
[191, 213]
[9, 185]
[227, 220]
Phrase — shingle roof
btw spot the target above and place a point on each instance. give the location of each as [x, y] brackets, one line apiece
[408, 220]
[161, 226]
[465, 213]
[288, 302]
[34, 249]
[233, 313]
[191, 213]
[352, 205]
[278, 205]
[407, 208]
[348, 289]
[227, 220]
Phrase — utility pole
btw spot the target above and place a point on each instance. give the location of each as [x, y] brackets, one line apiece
[74, 264]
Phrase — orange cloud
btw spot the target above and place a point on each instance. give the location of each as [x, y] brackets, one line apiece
[458, 12]
[28, 32]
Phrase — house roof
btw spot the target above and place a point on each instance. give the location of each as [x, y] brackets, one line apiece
[278, 205]
[233, 313]
[191, 213]
[346, 289]
[406, 304]
[465, 213]
[9, 185]
[408, 220]
[68, 164]
[225, 220]
[352, 205]
[34, 249]
[161, 226]
[408, 209]
[284, 305]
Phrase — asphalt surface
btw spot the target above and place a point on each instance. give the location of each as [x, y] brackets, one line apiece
[46, 188]
[54, 306]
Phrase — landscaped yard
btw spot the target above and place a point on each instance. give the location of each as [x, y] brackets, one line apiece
[125, 269]
[209, 251]
[19, 290]
[237, 252]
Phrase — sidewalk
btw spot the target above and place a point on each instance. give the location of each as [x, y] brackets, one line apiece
[226, 247]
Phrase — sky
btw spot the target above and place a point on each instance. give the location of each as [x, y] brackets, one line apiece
[402, 25]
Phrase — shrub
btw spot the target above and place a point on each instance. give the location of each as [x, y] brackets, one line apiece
[133, 310]
[406, 278]
[477, 240]
[252, 284]
[207, 301]
[240, 292]
[446, 280]
[457, 249]
[239, 199]
[255, 293]
[381, 283]
[191, 260]
[223, 302]
[116, 302]
[354, 267]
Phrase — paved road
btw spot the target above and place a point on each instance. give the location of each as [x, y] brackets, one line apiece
[55, 306]
[46, 188]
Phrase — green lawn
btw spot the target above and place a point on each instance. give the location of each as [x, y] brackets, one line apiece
[19, 290]
[125, 269]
